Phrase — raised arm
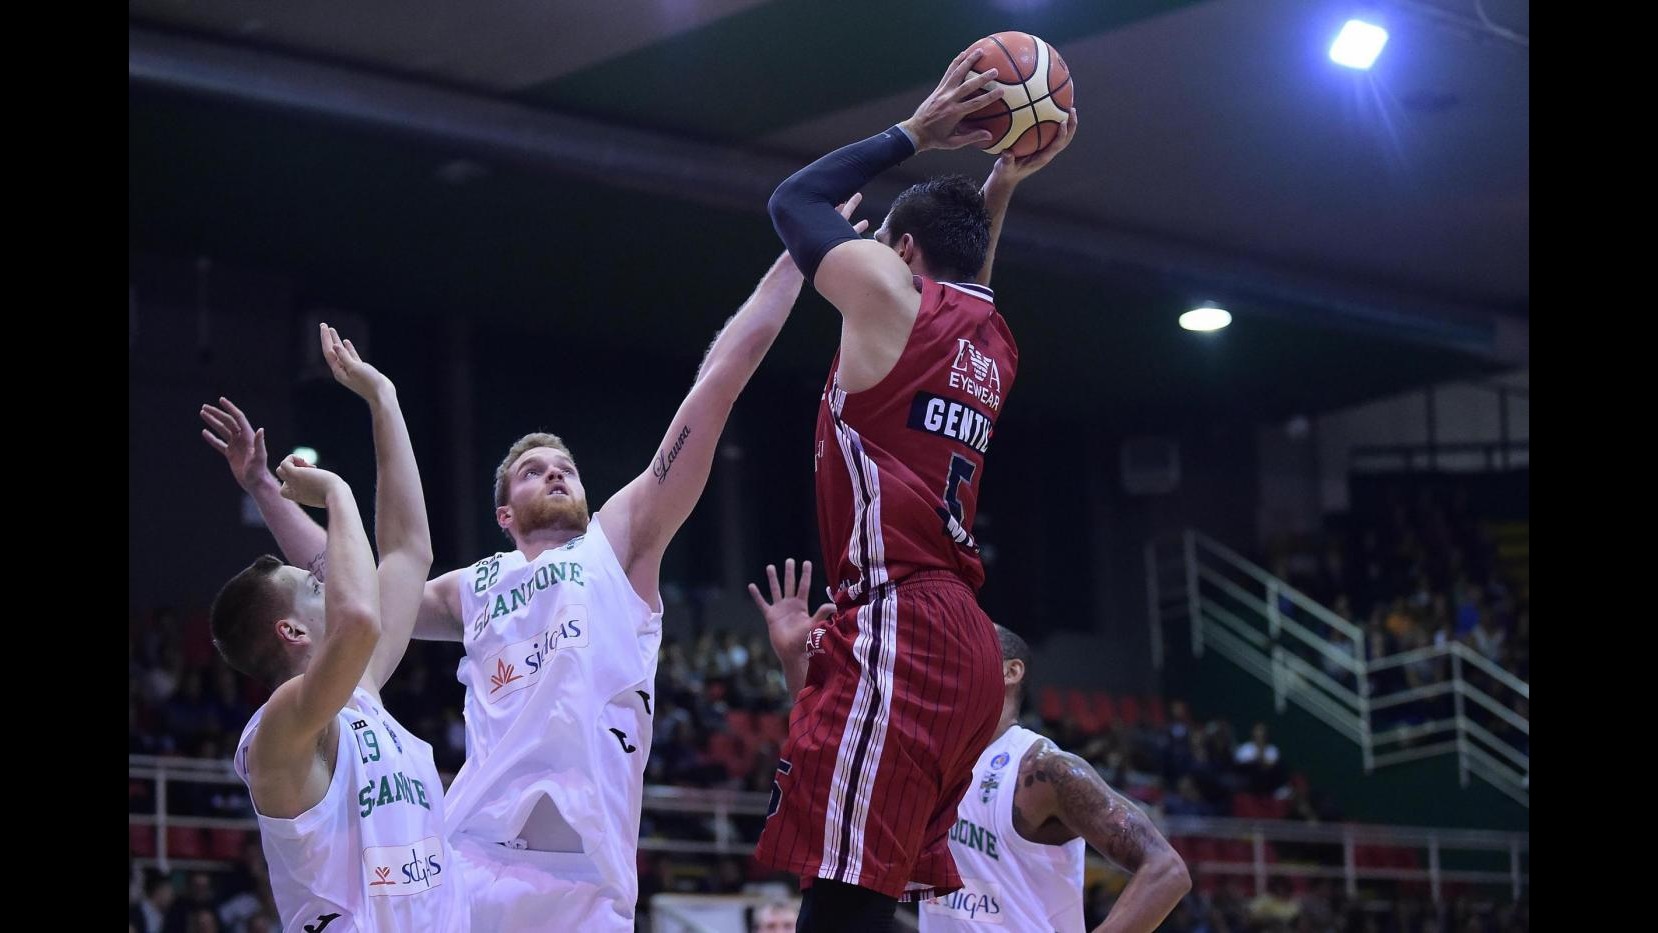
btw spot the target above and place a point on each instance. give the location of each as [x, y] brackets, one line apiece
[642, 518]
[803, 206]
[401, 529]
[1006, 175]
[866, 280]
[297, 534]
[284, 748]
[1057, 786]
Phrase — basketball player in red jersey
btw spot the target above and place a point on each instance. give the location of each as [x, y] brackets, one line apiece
[902, 683]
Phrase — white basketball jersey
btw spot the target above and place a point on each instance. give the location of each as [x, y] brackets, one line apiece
[373, 853]
[560, 676]
[1007, 880]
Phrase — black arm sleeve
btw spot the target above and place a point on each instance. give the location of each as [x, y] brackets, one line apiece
[803, 206]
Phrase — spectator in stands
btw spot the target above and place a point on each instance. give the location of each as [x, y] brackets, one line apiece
[1468, 599]
[728, 876]
[1257, 760]
[1399, 622]
[1332, 664]
[1300, 805]
[1229, 905]
[1275, 908]
[161, 679]
[189, 715]
[1378, 645]
[1222, 743]
[230, 710]
[158, 636]
[1522, 641]
[1439, 614]
[1343, 606]
[1422, 672]
[1209, 775]
[141, 737]
[1373, 583]
[150, 914]
[1178, 757]
[736, 653]
[1223, 751]
[707, 659]
[1317, 912]
[1186, 800]
[774, 917]
[675, 667]
[1488, 639]
[198, 896]
[1421, 597]
[250, 896]
[1334, 573]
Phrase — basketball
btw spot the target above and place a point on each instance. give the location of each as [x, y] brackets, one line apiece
[1037, 94]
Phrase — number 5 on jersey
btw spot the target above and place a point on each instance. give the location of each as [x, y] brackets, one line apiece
[961, 471]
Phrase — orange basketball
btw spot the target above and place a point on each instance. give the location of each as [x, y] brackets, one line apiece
[1036, 98]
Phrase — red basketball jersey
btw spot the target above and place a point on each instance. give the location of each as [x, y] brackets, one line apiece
[899, 465]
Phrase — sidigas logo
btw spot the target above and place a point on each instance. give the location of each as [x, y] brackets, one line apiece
[976, 902]
[520, 664]
[503, 675]
[418, 866]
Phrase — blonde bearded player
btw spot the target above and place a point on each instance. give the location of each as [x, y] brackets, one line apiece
[561, 638]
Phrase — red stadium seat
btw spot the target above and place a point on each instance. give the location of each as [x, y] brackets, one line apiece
[226, 844]
[186, 842]
[741, 722]
[774, 728]
[1053, 704]
[1156, 713]
[1105, 709]
[1128, 708]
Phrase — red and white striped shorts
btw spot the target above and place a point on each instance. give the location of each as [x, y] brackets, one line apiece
[902, 694]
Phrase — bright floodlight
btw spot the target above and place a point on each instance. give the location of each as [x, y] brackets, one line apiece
[308, 454]
[1208, 317]
[1358, 45]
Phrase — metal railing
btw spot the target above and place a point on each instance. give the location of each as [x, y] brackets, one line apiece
[1463, 704]
[1342, 841]
[718, 805]
[1484, 456]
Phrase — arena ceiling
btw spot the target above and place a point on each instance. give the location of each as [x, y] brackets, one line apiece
[1369, 230]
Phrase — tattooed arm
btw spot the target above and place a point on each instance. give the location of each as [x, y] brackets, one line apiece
[1061, 797]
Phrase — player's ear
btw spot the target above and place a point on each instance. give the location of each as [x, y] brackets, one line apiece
[906, 248]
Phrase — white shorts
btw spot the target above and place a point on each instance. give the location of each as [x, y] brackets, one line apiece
[515, 890]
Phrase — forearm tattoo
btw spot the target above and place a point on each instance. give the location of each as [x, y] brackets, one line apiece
[1092, 809]
[665, 458]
